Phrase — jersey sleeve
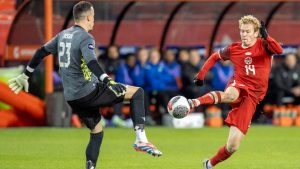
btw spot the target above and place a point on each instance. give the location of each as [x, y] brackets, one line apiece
[208, 64]
[51, 46]
[87, 48]
[272, 46]
[224, 53]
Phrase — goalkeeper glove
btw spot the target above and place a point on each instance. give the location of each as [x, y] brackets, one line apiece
[117, 88]
[263, 30]
[16, 84]
[198, 82]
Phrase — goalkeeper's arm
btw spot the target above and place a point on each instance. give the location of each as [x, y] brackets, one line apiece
[37, 58]
[18, 83]
[118, 88]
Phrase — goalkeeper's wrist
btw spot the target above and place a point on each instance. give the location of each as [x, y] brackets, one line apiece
[28, 71]
[105, 78]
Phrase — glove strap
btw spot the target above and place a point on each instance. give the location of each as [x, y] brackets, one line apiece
[107, 80]
[28, 71]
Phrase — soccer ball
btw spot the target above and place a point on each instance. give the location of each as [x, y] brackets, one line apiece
[178, 107]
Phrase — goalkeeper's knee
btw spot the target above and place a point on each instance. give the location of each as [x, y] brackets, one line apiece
[139, 94]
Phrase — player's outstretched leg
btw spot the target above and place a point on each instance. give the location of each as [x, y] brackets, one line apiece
[137, 112]
[213, 97]
[230, 95]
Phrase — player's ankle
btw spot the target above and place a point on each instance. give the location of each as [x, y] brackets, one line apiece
[90, 165]
[194, 103]
[209, 164]
[140, 134]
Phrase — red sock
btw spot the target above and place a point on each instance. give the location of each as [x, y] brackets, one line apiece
[221, 155]
[206, 99]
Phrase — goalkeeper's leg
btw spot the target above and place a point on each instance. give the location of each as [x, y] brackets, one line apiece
[93, 147]
[137, 112]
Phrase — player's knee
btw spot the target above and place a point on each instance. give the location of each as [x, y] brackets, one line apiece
[230, 97]
[232, 147]
[139, 94]
[97, 128]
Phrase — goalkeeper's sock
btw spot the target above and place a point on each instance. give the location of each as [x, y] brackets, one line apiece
[93, 148]
[221, 155]
[140, 133]
[137, 108]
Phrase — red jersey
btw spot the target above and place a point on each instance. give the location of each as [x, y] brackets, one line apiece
[252, 65]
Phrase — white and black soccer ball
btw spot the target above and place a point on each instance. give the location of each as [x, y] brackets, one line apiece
[178, 107]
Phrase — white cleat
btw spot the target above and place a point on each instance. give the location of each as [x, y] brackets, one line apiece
[206, 164]
[147, 148]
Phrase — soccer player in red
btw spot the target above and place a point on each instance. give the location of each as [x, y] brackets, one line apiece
[252, 63]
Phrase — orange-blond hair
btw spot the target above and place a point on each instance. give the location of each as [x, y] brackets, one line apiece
[250, 19]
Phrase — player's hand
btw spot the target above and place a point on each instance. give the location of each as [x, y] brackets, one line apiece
[263, 30]
[118, 88]
[16, 84]
[198, 82]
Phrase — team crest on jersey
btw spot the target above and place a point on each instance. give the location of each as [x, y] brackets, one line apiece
[248, 60]
[91, 46]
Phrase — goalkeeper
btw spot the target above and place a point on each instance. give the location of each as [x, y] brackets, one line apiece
[86, 86]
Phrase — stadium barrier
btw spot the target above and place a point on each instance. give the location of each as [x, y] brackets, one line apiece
[214, 117]
[284, 115]
[193, 120]
[58, 112]
[28, 110]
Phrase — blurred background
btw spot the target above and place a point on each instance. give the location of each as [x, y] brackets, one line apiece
[157, 45]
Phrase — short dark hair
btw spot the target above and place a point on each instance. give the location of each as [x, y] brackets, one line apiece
[80, 8]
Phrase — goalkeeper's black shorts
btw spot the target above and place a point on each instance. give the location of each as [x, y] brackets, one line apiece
[88, 107]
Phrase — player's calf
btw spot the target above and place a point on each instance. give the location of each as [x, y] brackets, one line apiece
[137, 109]
[232, 147]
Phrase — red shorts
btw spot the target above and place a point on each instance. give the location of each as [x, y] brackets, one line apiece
[242, 109]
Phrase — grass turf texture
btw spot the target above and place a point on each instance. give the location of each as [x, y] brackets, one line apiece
[264, 147]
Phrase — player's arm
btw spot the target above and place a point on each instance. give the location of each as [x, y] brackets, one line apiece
[87, 49]
[18, 83]
[270, 44]
[198, 80]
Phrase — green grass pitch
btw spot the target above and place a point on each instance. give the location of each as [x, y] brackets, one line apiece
[264, 147]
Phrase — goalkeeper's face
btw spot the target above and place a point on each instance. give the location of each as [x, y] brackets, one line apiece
[248, 35]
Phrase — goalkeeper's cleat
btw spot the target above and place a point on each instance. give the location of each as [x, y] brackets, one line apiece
[147, 148]
[90, 165]
[206, 164]
[193, 103]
